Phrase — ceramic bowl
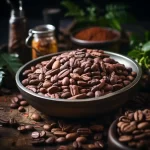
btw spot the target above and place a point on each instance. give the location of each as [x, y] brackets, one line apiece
[113, 142]
[83, 107]
[112, 45]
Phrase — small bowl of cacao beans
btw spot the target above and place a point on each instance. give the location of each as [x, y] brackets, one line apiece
[78, 83]
[130, 131]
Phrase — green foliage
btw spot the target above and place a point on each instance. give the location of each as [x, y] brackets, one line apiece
[146, 47]
[73, 10]
[137, 40]
[141, 51]
[88, 15]
[91, 13]
[115, 14]
[8, 63]
[11, 61]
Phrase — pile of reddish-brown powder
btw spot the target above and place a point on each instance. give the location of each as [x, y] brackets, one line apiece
[96, 34]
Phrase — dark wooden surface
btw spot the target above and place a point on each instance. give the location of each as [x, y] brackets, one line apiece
[11, 139]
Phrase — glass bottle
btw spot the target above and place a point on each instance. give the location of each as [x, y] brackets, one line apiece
[18, 31]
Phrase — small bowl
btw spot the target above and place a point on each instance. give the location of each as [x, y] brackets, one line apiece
[109, 44]
[113, 142]
[83, 107]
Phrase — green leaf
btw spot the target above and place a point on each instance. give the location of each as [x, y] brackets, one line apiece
[11, 61]
[115, 24]
[135, 54]
[141, 50]
[73, 9]
[91, 13]
[141, 61]
[146, 46]
[117, 14]
[146, 62]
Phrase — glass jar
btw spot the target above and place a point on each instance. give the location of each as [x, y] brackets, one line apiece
[43, 40]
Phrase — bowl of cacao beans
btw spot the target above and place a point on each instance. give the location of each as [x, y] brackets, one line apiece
[78, 83]
[130, 131]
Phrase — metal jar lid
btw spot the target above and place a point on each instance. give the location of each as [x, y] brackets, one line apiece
[43, 29]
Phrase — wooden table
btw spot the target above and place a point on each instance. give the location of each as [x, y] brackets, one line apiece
[11, 139]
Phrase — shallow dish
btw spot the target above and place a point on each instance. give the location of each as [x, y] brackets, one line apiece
[83, 107]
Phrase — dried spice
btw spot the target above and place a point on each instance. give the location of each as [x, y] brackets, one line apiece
[96, 34]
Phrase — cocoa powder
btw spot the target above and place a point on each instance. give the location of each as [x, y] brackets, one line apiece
[96, 34]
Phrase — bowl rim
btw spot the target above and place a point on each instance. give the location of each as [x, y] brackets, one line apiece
[124, 89]
[112, 136]
[74, 39]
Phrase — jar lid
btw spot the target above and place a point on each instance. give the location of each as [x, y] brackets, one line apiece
[48, 28]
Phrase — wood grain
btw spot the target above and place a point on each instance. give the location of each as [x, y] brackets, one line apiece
[11, 139]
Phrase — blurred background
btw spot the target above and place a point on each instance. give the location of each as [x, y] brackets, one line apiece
[131, 18]
[34, 8]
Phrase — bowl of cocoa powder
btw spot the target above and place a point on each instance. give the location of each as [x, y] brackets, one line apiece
[130, 131]
[96, 37]
[78, 83]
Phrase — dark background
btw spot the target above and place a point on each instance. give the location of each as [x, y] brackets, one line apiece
[33, 11]
[33, 8]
